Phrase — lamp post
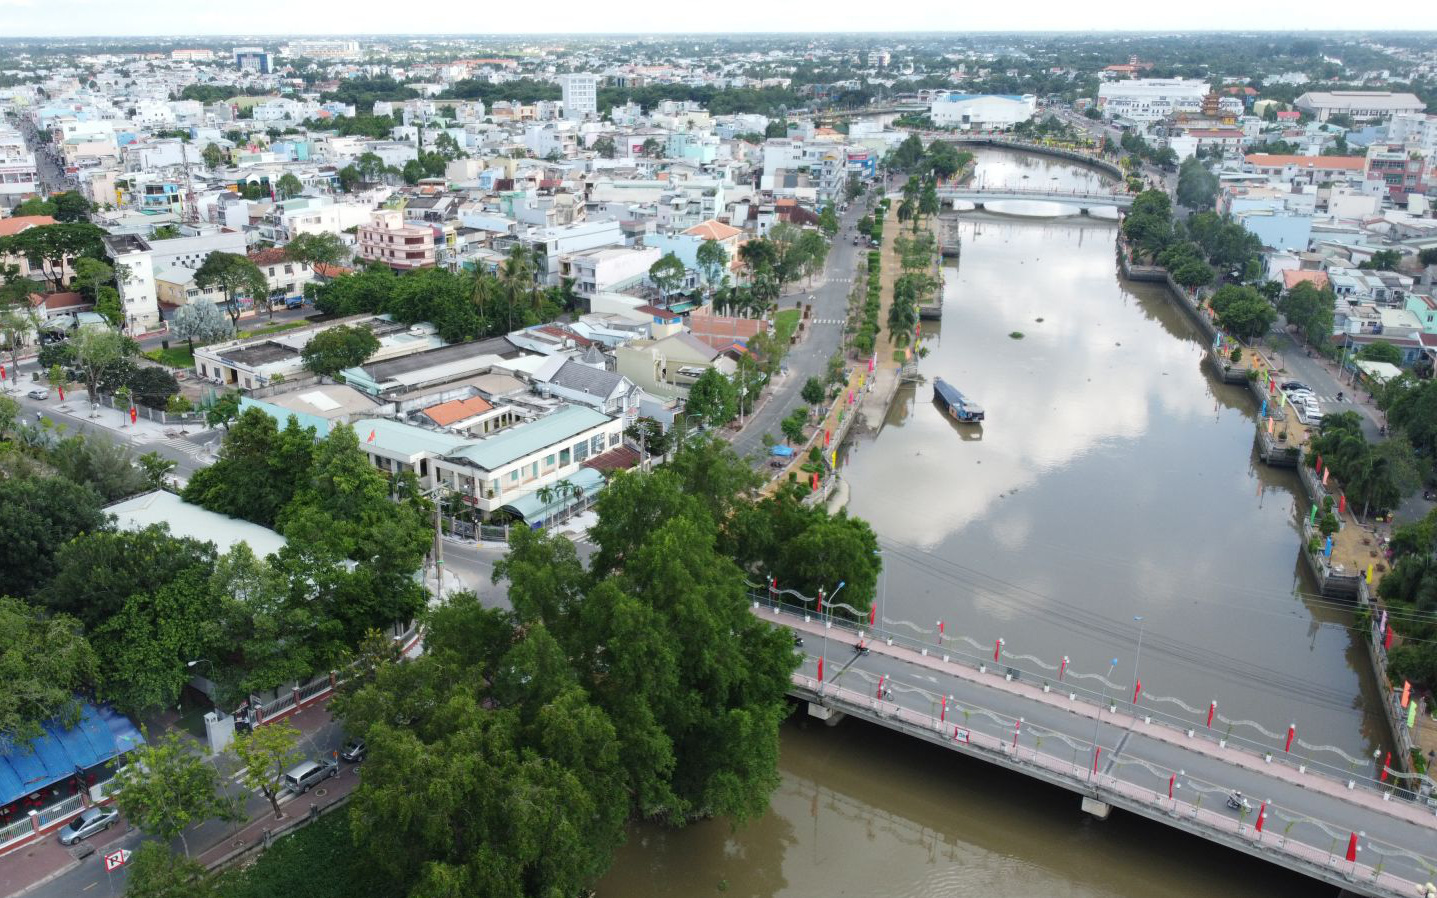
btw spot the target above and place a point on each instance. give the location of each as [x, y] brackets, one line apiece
[883, 582]
[1098, 718]
[1137, 657]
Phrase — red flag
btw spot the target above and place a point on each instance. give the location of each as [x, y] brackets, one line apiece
[1211, 710]
[2, 372]
[872, 612]
[1261, 812]
[1291, 731]
[940, 629]
[1136, 689]
[1406, 692]
[820, 601]
[827, 435]
[1342, 504]
[133, 414]
[1319, 464]
[1352, 848]
[943, 713]
[1387, 640]
[1387, 762]
[62, 393]
[880, 685]
[371, 437]
[1172, 779]
[820, 670]
[1097, 753]
[996, 646]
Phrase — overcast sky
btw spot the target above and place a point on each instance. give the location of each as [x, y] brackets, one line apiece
[210, 17]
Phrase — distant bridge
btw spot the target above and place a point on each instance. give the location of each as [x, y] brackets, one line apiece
[1111, 746]
[1084, 200]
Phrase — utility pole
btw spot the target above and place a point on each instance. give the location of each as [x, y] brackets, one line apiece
[191, 212]
[438, 541]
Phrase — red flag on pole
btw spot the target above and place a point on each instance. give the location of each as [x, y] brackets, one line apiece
[1261, 813]
[1319, 464]
[827, 435]
[371, 437]
[880, 685]
[61, 388]
[996, 646]
[872, 613]
[1406, 692]
[1387, 640]
[1062, 667]
[1342, 503]
[820, 670]
[1352, 848]
[943, 712]
[134, 415]
[820, 601]
[1137, 689]
[1386, 762]
[1211, 710]
[1097, 752]
[1291, 731]
[1171, 780]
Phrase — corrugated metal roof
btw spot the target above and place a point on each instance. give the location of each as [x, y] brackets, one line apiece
[509, 445]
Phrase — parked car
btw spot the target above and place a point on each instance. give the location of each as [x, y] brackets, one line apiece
[1291, 385]
[1301, 397]
[87, 823]
[353, 751]
[303, 777]
[39, 393]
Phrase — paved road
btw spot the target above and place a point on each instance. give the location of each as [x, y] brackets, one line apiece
[321, 737]
[810, 357]
[1142, 754]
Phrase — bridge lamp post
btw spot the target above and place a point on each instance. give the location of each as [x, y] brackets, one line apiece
[1137, 657]
[826, 623]
[1098, 718]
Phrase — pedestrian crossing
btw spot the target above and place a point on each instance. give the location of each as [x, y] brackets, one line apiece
[813, 321]
[179, 445]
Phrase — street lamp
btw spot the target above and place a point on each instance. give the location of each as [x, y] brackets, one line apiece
[1098, 718]
[1137, 656]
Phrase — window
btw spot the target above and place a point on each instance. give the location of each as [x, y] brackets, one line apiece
[289, 269]
[581, 451]
[614, 438]
[514, 476]
[549, 459]
[596, 445]
[563, 458]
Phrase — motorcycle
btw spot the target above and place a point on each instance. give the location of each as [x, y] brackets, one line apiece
[1237, 802]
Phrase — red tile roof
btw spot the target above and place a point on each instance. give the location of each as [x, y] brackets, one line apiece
[1292, 277]
[446, 413]
[272, 256]
[18, 223]
[620, 458]
[1330, 163]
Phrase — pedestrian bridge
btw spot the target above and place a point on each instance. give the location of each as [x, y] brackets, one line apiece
[1113, 746]
[1083, 200]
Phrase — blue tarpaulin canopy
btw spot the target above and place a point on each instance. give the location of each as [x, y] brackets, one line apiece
[781, 451]
[101, 734]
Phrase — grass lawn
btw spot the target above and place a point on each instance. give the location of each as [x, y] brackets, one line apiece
[784, 324]
[272, 328]
[176, 356]
[317, 861]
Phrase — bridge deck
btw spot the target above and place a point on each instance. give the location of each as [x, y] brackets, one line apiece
[1309, 814]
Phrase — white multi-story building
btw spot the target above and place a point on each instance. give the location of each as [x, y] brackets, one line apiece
[18, 174]
[580, 94]
[982, 112]
[608, 270]
[1415, 131]
[1151, 99]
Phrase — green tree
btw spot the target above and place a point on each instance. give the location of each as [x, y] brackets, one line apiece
[71, 207]
[813, 391]
[144, 647]
[1380, 351]
[34, 206]
[667, 273]
[795, 425]
[46, 662]
[50, 247]
[651, 148]
[1311, 309]
[42, 515]
[1242, 311]
[104, 465]
[91, 273]
[265, 754]
[156, 469]
[236, 277]
[109, 306]
[212, 155]
[152, 872]
[337, 348]
[1382, 260]
[96, 573]
[321, 248]
[288, 186]
[712, 399]
[828, 221]
[712, 260]
[604, 146]
[167, 787]
[1194, 273]
[259, 470]
[96, 350]
[224, 409]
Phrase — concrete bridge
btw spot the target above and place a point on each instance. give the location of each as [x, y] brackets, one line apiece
[1108, 743]
[1083, 200]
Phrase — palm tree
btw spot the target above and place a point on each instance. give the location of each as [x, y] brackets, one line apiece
[517, 275]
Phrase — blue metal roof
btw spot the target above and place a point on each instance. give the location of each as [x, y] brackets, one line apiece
[101, 734]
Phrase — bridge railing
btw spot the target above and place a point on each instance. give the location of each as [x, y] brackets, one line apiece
[1316, 847]
[1272, 746]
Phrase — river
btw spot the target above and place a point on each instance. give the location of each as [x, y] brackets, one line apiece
[1114, 478]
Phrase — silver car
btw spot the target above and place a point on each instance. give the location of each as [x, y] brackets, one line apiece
[87, 823]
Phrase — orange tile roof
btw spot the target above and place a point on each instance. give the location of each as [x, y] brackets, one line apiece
[713, 230]
[1291, 278]
[446, 413]
[11, 226]
[271, 256]
[1333, 163]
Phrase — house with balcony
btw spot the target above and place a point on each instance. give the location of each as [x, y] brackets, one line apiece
[286, 277]
[609, 269]
[389, 240]
[586, 382]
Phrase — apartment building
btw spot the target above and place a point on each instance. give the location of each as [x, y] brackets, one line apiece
[1397, 167]
[607, 269]
[580, 95]
[286, 277]
[388, 239]
[19, 176]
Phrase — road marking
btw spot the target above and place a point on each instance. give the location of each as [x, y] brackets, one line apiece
[90, 886]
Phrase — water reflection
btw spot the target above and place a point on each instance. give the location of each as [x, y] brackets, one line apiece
[863, 811]
[1114, 478]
